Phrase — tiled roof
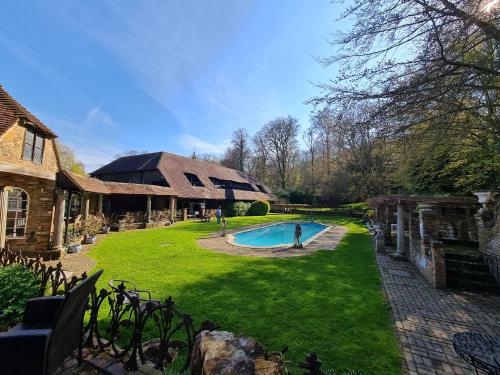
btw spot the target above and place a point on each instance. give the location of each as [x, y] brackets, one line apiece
[173, 168]
[143, 162]
[11, 110]
[415, 199]
[93, 185]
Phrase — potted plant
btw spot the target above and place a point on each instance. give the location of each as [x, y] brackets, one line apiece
[106, 224]
[91, 227]
[73, 244]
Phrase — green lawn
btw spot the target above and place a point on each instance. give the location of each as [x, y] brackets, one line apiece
[329, 302]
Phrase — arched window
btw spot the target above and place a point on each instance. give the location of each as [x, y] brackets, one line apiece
[17, 212]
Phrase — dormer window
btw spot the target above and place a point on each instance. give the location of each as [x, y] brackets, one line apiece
[261, 188]
[193, 179]
[231, 185]
[33, 146]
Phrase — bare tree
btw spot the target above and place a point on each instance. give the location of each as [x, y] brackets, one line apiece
[68, 160]
[241, 147]
[310, 137]
[238, 154]
[279, 138]
[260, 161]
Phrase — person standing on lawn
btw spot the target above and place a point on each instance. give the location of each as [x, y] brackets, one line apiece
[218, 214]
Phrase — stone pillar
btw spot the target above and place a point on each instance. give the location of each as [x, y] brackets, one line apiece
[148, 209]
[425, 212]
[388, 214]
[379, 239]
[3, 215]
[59, 221]
[438, 264]
[173, 208]
[184, 214]
[99, 203]
[86, 207]
[400, 243]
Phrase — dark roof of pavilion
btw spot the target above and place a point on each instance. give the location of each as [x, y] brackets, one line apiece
[173, 167]
[416, 199]
[70, 180]
[132, 163]
[11, 111]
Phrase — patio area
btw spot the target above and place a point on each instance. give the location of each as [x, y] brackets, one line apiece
[426, 319]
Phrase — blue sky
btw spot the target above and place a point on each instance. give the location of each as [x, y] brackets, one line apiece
[110, 76]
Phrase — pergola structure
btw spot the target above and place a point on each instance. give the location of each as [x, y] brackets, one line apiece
[423, 228]
[103, 197]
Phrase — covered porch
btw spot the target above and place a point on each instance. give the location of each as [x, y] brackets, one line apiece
[118, 204]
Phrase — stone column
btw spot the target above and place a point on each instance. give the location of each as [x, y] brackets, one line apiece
[184, 214]
[173, 208]
[438, 264]
[425, 212]
[400, 243]
[86, 207]
[148, 209]
[59, 221]
[99, 203]
[3, 215]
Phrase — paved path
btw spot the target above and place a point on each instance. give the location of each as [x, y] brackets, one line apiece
[426, 318]
[326, 241]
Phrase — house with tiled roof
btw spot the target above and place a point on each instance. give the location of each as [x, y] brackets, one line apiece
[28, 167]
[198, 184]
[39, 201]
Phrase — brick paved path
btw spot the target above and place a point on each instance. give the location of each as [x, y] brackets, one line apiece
[426, 319]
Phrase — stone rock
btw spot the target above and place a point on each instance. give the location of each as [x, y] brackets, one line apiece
[223, 353]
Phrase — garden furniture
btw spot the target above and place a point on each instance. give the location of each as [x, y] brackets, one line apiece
[52, 328]
[479, 350]
[130, 290]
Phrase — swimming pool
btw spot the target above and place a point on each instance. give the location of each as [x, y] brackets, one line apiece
[275, 235]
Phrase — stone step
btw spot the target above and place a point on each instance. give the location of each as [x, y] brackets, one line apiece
[473, 285]
[465, 257]
[466, 275]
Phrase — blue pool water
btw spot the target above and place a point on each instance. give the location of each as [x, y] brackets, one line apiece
[278, 234]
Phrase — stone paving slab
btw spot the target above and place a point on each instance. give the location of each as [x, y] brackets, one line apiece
[425, 319]
[328, 240]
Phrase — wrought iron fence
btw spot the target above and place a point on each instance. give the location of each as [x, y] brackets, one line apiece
[128, 316]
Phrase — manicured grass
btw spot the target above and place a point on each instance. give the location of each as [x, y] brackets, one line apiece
[329, 302]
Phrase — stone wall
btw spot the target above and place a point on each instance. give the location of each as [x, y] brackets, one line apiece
[12, 150]
[41, 194]
[488, 222]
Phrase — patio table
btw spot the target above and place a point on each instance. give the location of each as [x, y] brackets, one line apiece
[480, 350]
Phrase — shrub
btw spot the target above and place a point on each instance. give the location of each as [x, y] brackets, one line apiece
[92, 225]
[237, 209]
[259, 208]
[17, 285]
[241, 208]
[160, 216]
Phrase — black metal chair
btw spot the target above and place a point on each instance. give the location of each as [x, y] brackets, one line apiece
[51, 329]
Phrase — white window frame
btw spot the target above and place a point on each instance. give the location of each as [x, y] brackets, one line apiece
[17, 212]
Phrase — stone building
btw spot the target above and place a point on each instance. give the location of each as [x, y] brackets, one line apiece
[28, 167]
[198, 184]
[38, 200]
[452, 241]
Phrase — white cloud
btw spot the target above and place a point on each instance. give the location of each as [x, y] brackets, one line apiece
[97, 117]
[166, 46]
[92, 153]
[191, 143]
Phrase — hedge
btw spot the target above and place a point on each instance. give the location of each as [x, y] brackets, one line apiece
[259, 208]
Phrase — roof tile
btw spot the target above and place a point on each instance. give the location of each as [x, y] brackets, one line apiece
[10, 110]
